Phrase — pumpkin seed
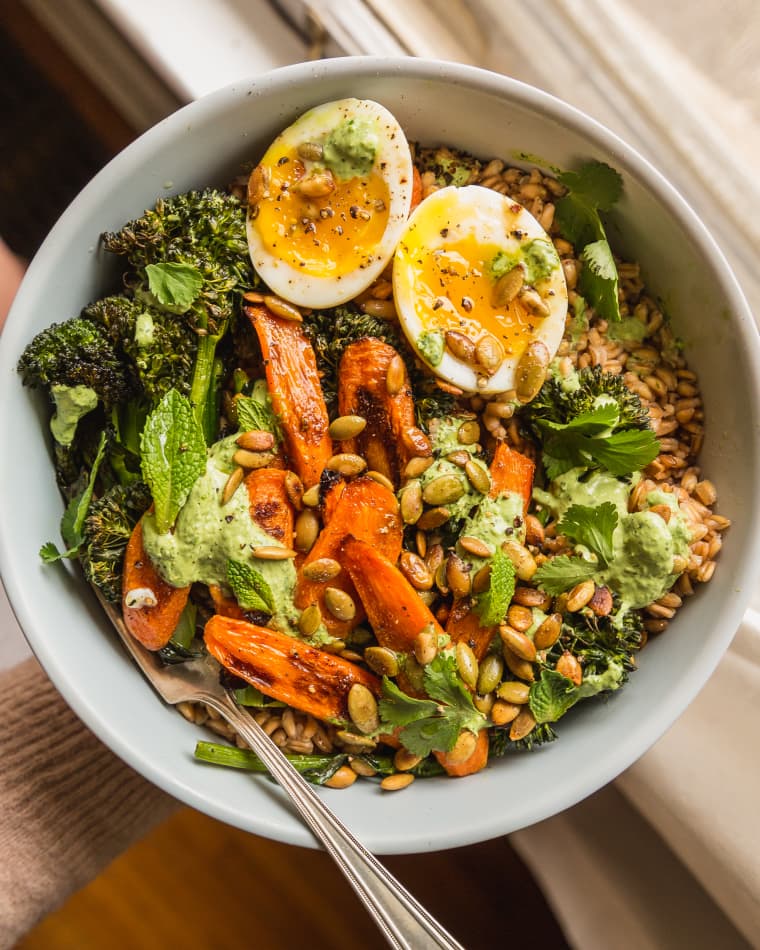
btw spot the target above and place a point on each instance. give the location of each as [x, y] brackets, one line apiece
[363, 768]
[281, 308]
[520, 668]
[508, 286]
[569, 666]
[310, 151]
[381, 480]
[443, 490]
[258, 185]
[415, 570]
[266, 552]
[461, 457]
[384, 309]
[251, 460]
[322, 569]
[468, 433]
[457, 576]
[346, 463]
[434, 557]
[482, 580]
[382, 661]
[475, 546]
[531, 370]
[478, 477]
[467, 663]
[416, 466]
[490, 673]
[232, 484]
[340, 604]
[320, 184]
[347, 427]
[255, 440]
[343, 777]
[513, 692]
[601, 602]
[532, 597]
[433, 518]
[460, 345]
[306, 530]
[463, 748]
[411, 503]
[489, 353]
[397, 781]
[294, 490]
[519, 617]
[523, 725]
[483, 704]
[532, 301]
[311, 496]
[503, 713]
[362, 708]
[517, 642]
[354, 742]
[523, 561]
[548, 633]
[416, 442]
[404, 760]
[424, 646]
[580, 595]
[534, 530]
[395, 376]
[420, 542]
[310, 620]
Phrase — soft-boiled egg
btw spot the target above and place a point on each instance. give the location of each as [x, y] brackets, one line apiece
[480, 291]
[328, 202]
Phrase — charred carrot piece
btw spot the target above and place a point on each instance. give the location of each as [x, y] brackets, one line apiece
[511, 471]
[270, 506]
[226, 606]
[463, 624]
[474, 763]
[416, 188]
[286, 668]
[153, 626]
[393, 606]
[367, 510]
[295, 390]
[391, 437]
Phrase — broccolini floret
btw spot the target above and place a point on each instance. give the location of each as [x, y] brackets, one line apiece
[77, 353]
[107, 529]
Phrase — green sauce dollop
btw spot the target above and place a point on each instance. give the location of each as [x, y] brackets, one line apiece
[349, 150]
[71, 404]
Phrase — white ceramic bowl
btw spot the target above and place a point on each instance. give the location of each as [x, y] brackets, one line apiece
[489, 115]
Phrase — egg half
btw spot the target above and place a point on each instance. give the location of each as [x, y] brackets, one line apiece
[328, 202]
[476, 281]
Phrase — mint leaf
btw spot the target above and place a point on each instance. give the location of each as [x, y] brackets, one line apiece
[592, 526]
[174, 285]
[491, 606]
[173, 455]
[561, 573]
[553, 694]
[252, 414]
[250, 589]
[72, 521]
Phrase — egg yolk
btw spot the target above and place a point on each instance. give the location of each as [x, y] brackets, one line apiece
[323, 235]
[453, 291]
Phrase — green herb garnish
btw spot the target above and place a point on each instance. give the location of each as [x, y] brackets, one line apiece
[175, 286]
[250, 589]
[492, 604]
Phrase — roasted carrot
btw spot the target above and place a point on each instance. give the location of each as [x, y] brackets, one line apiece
[477, 761]
[152, 626]
[511, 471]
[395, 611]
[463, 624]
[287, 669]
[295, 391]
[226, 606]
[391, 437]
[416, 188]
[269, 504]
[368, 510]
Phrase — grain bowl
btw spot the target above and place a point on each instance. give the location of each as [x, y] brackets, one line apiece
[702, 397]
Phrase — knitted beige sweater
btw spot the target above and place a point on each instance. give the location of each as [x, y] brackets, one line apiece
[68, 806]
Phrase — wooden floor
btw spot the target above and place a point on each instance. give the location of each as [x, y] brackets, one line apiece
[196, 884]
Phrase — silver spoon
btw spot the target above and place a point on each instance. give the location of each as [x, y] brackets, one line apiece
[402, 920]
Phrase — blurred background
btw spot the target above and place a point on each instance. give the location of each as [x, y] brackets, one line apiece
[79, 80]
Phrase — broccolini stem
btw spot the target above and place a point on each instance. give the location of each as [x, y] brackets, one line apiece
[245, 759]
[201, 387]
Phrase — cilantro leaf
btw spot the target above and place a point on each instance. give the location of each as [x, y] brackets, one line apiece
[250, 589]
[72, 521]
[561, 573]
[173, 455]
[492, 604]
[596, 183]
[592, 526]
[398, 709]
[627, 451]
[174, 285]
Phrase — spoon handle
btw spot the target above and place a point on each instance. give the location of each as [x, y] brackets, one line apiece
[404, 922]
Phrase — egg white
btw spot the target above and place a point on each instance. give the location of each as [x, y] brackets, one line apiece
[317, 286]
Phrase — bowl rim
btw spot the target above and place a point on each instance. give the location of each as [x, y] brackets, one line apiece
[479, 80]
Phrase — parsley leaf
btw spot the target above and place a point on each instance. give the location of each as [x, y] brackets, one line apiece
[593, 188]
[72, 521]
[431, 724]
[174, 285]
[250, 589]
[491, 606]
[592, 526]
[561, 573]
[173, 455]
